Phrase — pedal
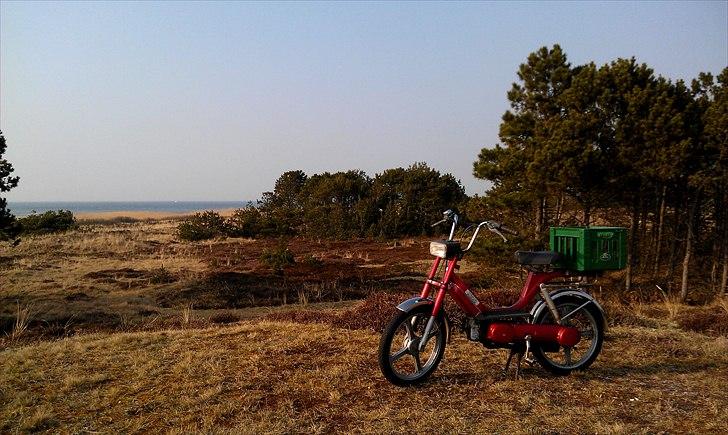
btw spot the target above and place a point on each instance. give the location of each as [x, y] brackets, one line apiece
[528, 354]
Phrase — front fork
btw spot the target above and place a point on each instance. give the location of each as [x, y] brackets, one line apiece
[449, 270]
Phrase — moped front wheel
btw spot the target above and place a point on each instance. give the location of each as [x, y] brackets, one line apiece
[401, 358]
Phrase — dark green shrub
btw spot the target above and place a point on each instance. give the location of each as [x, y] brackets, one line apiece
[245, 222]
[110, 221]
[277, 258]
[161, 276]
[225, 318]
[202, 226]
[51, 221]
[310, 260]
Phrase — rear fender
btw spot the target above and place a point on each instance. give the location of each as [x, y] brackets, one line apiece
[586, 297]
[417, 302]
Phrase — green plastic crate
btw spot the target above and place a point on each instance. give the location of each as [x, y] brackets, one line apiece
[590, 248]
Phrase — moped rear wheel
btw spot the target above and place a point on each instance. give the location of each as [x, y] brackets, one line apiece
[589, 320]
[400, 359]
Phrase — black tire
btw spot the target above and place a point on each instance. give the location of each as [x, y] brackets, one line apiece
[588, 314]
[417, 319]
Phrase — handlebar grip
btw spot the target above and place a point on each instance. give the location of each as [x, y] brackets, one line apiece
[502, 228]
[508, 231]
[438, 223]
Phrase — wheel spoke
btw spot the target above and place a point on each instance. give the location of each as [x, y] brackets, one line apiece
[399, 354]
[418, 364]
[567, 356]
[433, 332]
[410, 331]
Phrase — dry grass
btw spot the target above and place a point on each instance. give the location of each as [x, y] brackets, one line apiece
[672, 303]
[371, 314]
[175, 369]
[711, 319]
[119, 274]
[723, 303]
[274, 377]
[22, 319]
[187, 315]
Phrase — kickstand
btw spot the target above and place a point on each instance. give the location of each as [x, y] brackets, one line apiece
[519, 358]
[508, 363]
[518, 365]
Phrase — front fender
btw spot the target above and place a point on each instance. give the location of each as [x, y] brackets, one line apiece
[412, 303]
[541, 305]
[416, 302]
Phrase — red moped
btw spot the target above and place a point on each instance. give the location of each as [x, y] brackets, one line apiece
[554, 321]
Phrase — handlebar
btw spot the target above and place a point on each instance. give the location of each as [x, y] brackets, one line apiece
[503, 228]
[493, 226]
[438, 223]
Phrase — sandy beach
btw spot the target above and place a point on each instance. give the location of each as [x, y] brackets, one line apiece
[142, 215]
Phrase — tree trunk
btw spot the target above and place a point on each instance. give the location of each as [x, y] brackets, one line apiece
[689, 247]
[676, 230]
[631, 245]
[686, 263]
[714, 270]
[559, 206]
[719, 239]
[587, 214]
[643, 246]
[724, 281]
[658, 242]
[539, 219]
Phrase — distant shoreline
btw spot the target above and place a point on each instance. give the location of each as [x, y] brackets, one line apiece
[112, 209]
[143, 215]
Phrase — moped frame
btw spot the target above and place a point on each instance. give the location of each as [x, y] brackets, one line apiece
[456, 287]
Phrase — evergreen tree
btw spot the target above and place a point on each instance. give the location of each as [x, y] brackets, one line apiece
[283, 207]
[525, 131]
[576, 156]
[8, 224]
[411, 199]
[709, 173]
[651, 152]
[332, 204]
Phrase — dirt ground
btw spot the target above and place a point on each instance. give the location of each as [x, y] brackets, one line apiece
[122, 276]
[121, 327]
[113, 276]
[278, 377]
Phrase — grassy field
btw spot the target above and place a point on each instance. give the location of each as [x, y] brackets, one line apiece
[280, 377]
[122, 328]
[121, 275]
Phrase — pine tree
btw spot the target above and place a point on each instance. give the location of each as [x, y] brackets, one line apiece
[524, 131]
[8, 224]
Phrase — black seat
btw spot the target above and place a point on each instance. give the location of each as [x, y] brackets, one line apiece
[537, 258]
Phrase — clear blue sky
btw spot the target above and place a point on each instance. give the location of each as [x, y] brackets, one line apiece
[212, 101]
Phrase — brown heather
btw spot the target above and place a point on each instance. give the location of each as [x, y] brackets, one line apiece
[121, 328]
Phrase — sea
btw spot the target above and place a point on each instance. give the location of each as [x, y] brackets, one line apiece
[21, 209]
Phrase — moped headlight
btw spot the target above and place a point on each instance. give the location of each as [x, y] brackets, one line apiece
[438, 249]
